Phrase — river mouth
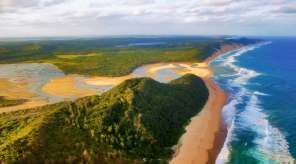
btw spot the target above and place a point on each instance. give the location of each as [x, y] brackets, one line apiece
[42, 84]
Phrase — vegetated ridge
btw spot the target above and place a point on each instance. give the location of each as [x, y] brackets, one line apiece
[137, 121]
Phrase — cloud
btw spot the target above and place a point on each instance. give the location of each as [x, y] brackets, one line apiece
[287, 9]
[112, 16]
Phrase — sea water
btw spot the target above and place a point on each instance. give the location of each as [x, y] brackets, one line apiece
[261, 111]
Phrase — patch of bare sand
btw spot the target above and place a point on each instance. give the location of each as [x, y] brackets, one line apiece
[151, 69]
[66, 87]
[15, 90]
[105, 81]
[199, 69]
[168, 78]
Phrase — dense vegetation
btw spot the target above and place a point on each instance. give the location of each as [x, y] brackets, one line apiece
[111, 56]
[136, 122]
[7, 102]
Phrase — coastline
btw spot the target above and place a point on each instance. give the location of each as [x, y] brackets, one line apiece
[210, 136]
[206, 132]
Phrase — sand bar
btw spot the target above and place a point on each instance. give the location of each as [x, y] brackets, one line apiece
[15, 90]
[66, 87]
[103, 81]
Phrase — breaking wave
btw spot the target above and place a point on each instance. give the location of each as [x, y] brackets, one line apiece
[244, 112]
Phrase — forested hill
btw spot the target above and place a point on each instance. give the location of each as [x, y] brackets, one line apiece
[136, 122]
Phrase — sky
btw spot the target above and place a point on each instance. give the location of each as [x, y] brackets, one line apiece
[34, 18]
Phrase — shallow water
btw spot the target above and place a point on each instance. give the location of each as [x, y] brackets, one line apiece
[35, 75]
[164, 75]
[260, 114]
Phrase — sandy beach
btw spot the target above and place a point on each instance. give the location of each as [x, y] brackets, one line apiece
[206, 133]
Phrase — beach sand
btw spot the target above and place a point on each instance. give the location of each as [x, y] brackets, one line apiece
[205, 133]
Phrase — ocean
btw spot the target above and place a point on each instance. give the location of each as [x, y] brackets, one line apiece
[261, 111]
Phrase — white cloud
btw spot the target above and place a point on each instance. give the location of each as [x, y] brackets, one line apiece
[141, 16]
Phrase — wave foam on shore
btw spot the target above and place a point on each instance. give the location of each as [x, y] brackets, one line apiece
[243, 112]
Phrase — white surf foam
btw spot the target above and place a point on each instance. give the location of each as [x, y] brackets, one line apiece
[239, 77]
[272, 145]
[260, 93]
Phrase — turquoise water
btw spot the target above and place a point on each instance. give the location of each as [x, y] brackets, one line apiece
[261, 110]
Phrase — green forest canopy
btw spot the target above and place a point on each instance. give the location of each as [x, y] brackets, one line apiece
[136, 122]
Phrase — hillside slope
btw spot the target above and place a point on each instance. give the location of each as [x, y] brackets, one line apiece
[136, 122]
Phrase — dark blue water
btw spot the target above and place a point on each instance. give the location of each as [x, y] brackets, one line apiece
[261, 112]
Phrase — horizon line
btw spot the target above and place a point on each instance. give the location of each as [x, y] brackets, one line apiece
[138, 35]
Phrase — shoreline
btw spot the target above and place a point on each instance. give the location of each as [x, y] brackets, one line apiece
[213, 134]
[206, 132]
